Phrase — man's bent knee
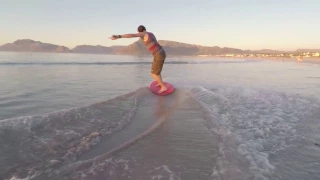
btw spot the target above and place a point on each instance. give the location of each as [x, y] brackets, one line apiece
[156, 74]
[156, 71]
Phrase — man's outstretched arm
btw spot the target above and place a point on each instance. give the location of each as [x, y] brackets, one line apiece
[113, 37]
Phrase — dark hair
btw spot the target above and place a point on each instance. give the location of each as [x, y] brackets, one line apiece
[141, 28]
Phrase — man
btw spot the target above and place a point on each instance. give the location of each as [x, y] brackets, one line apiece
[159, 55]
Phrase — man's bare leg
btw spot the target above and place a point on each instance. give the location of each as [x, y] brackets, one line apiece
[160, 82]
[160, 79]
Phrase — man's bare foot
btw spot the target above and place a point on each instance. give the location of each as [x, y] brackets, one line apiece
[157, 85]
[163, 89]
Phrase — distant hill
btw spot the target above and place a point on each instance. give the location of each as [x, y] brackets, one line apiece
[117, 48]
[172, 48]
[28, 45]
[307, 50]
[92, 49]
[178, 49]
[184, 49]
[269, 51]
[88, 49]
[136, 48]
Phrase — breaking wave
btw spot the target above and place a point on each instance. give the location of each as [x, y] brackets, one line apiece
[257, 127]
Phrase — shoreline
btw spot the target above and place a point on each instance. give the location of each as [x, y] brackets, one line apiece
[315, 59]
[273, 58]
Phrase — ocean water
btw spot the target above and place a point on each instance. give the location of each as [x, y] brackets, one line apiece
[81, 116]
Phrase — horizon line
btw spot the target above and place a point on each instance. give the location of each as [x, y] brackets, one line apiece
[70, 48]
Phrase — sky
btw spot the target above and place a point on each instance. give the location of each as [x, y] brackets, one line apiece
[244, 24]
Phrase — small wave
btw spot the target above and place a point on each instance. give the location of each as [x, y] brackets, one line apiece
[313, 77]
[35, 142]
[297, 69]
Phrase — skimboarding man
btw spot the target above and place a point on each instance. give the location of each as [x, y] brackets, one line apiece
[159, 54]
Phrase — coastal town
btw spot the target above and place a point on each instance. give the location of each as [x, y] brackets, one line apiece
[298, 56]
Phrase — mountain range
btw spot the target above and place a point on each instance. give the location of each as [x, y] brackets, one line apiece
[137, 48]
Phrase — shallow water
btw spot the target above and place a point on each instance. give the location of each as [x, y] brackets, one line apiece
[78, 116]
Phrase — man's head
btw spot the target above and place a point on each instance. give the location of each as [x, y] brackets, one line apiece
[141, 28]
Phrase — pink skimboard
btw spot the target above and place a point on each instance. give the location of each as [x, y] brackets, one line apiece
[155, 90]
